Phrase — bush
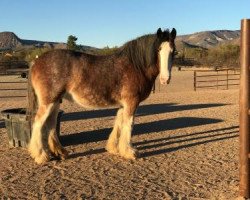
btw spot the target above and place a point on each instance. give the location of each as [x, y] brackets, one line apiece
[33, 54]
[227, 55]
[106, 50]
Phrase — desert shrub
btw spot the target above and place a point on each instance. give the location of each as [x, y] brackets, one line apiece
[226, 55]
[106, 50]
[8, 58]
[32, 54]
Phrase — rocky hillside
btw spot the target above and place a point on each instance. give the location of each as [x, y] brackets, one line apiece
[9, 40]
[208, 39]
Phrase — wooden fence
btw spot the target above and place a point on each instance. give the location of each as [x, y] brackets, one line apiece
[216, 79]
[10, 67]
[185, 62]
[12, 87]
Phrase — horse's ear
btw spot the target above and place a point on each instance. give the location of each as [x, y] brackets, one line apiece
[173, 33]
[159, 32]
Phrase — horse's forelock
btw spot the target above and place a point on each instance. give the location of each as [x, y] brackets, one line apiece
[167, 37]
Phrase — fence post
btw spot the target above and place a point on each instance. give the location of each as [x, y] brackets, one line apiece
[154, 87]
[159, 85]
[244, 110]
[194, 80]
[227, 78]
[217, 80]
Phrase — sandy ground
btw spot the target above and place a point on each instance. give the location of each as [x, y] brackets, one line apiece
[187, 141]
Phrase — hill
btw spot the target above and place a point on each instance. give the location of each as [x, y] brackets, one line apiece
[9, 40]
[205, 39]
[208, 39]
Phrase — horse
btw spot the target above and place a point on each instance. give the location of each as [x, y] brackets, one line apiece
[123, 78]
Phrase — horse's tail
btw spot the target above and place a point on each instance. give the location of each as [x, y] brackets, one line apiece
[32, 99]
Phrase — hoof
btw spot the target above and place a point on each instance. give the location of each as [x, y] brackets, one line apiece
[130, 154]
[42, 158]
[61, 153]
[38, 154]
[112, 149]
[64, 154]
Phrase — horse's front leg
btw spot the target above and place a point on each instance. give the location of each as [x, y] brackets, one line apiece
[125, 148]
[112, 144]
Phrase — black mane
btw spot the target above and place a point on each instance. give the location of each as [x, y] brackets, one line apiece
[142, 52]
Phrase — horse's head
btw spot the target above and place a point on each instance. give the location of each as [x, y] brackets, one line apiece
[166, 53]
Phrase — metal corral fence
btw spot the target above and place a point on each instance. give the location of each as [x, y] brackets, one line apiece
[12, 86]
[216, 79]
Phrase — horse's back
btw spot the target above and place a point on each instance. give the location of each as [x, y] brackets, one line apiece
[92, 78]
[51, 72]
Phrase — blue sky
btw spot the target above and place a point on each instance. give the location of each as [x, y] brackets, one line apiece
[113, 22]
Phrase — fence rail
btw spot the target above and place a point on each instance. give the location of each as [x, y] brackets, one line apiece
[9, 89]
[13, 67]
[219, 79]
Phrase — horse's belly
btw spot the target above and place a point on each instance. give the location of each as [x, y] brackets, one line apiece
[92, 101]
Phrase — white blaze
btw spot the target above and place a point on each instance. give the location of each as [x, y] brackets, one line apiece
[165, 62]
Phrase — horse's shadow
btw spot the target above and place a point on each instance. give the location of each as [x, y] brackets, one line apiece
[141, 111]
[144, 128]
[165, 145]
[2, 124]
[155, 147]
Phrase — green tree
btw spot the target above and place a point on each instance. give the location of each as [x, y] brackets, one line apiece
[71, 43]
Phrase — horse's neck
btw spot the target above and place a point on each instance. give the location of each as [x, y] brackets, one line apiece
[149, 75]
[152, 72]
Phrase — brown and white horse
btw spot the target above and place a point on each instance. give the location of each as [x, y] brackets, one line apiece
[124, 78]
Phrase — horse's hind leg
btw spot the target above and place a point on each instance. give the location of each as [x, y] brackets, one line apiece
[112, 144]
[38, 146]
[53, 141]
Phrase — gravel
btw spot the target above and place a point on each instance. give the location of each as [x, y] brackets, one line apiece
[187, 142]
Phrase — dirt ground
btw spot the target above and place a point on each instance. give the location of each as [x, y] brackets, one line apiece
[187, 141]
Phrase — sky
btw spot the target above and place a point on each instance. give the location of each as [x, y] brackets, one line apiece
[101, 23]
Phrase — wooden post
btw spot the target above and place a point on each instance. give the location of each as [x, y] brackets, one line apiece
[227, 78]
[153, 88]
[159, 85]
[194, 80]
[217, 81]
[244, 110]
